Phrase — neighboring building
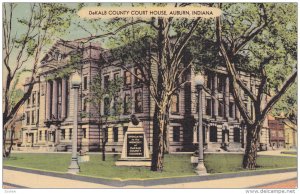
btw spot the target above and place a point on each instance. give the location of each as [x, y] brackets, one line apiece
[49, 114]
[277, 139]
[31, 117]
[14, 133]
[290, 132]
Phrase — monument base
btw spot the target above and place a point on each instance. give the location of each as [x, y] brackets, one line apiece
[146, 162]
[135, 150]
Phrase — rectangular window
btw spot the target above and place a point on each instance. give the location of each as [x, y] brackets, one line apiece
[38, 116]
[175, 103]
[33, 98]
[127, 104]
[70, 134]
[231, 109]
[28, 101]
[138, 103]
[106, 81]
[125, 130]
[236, 135]
[221, 109]
[208, 107]
[280, 133]
[246, 106]
[208, 81]
[115, 132]
[63, 134]
[138, 77]
[116, 75]
[106, 106]
[273, 133]
[27, 118]
[40, 135]
[85, 83]
[84, 133]
[33, 117]
[46, 136]
[176, 134]
[38, 98]
[221, 82]
[127, 77]
[84, 108]
[230, 87]
[213, 134]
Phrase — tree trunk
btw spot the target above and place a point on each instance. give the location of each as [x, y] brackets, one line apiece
[3, 145]
[11, 142]
[160, 123]
[103, 144]
[249, 161]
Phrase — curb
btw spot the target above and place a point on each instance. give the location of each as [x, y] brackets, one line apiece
[151, 182]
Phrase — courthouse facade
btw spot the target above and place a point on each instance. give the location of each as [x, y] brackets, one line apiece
[49, 112]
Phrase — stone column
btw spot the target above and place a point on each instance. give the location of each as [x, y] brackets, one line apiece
[226, 108]
[215, 93]
[54, 99]
[233, 111]
[48, 101]
[238, 114]
[64, 90]
[57, 136]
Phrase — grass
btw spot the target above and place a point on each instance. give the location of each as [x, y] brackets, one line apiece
[48, 162]
[224, 163]
[175, 165]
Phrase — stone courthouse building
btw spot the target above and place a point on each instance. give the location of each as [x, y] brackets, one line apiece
[49, 112]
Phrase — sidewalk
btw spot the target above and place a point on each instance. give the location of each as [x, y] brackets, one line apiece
[37, 179]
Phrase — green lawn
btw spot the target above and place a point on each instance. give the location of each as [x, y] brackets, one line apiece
[175, 165]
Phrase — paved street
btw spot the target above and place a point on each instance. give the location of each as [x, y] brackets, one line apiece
[12, 179]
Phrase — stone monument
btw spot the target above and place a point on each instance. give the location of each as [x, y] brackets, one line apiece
[135, 150]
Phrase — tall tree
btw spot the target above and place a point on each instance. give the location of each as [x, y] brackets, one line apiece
[162, 69]
[24, 37]
[265, 34]
[103, 95]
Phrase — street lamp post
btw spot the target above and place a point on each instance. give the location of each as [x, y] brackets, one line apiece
[200, 169]
[74, 167]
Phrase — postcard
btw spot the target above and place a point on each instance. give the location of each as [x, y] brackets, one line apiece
[149, 95]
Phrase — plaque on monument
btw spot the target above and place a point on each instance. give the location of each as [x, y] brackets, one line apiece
[135, 150]
[135, 145]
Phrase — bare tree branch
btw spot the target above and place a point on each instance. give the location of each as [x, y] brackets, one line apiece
[289, 81]
[232, 73]
[84, 40]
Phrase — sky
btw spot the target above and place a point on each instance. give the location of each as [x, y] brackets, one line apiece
[22, 10]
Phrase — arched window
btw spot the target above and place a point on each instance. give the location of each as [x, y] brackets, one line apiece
[236, 135]
[213, 134]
